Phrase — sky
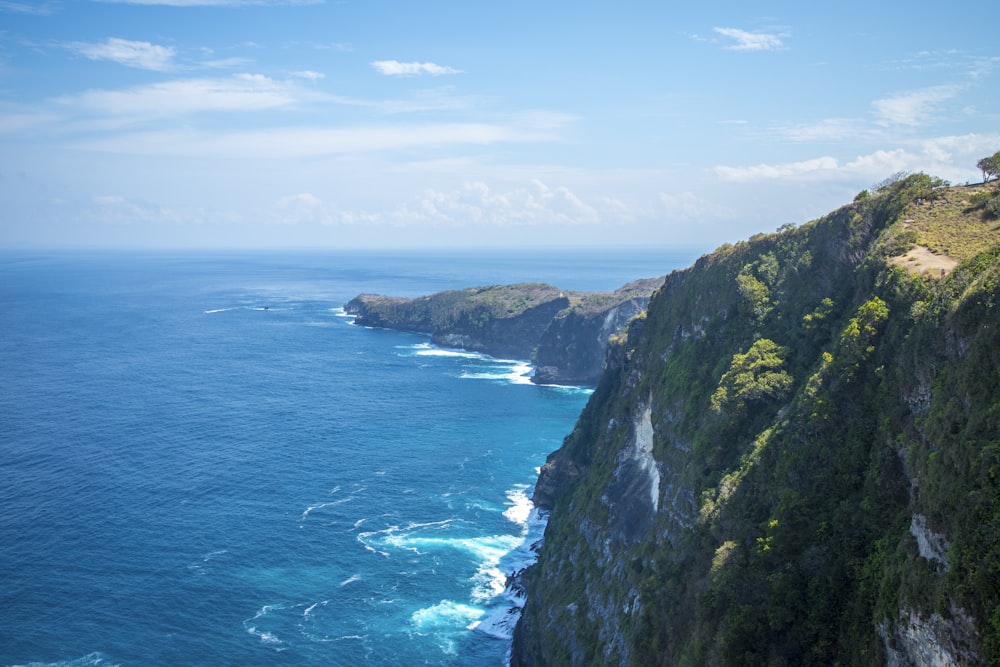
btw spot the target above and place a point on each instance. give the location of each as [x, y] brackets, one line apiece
[440, 124]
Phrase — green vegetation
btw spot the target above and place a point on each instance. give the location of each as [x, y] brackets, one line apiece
[753, 378]
[472, 307]
[990, 167]
[816, 404]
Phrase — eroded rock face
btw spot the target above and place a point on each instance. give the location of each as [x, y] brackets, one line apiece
[914, 641]
[633, 497]
[572, 349]
[932, 546]
[556, 473]
[512, 336]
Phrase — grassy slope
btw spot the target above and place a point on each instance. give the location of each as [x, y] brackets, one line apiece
[948, 230]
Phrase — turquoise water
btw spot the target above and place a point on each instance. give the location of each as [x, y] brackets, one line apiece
[204, 462]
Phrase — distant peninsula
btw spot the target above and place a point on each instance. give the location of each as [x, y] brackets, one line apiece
[565, 334]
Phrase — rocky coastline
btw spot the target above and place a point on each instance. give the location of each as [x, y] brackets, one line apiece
[564, 334]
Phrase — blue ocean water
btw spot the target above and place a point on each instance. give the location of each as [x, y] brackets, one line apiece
[204, 462]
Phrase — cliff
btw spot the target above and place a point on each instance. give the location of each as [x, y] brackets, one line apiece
[573, 347]
[793, 457]
[565, 334]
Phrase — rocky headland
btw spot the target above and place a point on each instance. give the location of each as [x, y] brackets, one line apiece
[565, 334]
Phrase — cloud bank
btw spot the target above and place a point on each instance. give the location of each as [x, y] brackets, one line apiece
[396, 68]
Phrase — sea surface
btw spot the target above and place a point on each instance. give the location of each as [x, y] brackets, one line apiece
[203, 461]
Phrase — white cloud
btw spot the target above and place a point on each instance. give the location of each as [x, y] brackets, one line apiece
[304, 207]
[213, 3]
[396, 68]
[309, 75]
[226, 63]
[689, 207]
[476, 204]
[829, 129]
[952, 158]
[142, 55]
[116, 209]
[302, 142]
[768, 171]
[13, 120]
[983, 66]
[913, 108]
[428, 99]
[750, 41]
[243, 92]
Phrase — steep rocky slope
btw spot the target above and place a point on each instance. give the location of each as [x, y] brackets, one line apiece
[793, 457]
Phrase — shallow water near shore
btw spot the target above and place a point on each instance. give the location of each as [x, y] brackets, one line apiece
[205, 462]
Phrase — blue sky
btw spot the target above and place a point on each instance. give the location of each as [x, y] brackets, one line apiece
[348, 123]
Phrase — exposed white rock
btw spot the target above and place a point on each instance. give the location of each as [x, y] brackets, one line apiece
[929, 642]
[932, 546]
[642, 453]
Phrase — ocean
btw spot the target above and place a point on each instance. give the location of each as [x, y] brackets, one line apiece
[203, 461]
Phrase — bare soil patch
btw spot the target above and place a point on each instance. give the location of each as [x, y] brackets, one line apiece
[921, 260]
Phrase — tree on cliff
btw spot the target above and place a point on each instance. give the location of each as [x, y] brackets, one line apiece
[990, 166]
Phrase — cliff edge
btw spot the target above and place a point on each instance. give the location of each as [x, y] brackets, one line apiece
[792, 457]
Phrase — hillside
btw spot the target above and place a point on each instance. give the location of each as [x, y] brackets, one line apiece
[793, 457]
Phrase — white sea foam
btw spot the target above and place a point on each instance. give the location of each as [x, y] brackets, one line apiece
[446, 612]
[428, 350]
[265, 636]
[521, 374]
[521, 506]
[507, 597]
[310, 608]
[513, 372]
[358, 488]
[95, 659]
[446, 621]
[350, 580]
[500, 621]
[332, 503]
[224, 310]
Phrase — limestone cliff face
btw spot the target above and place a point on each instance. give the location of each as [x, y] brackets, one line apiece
[792, 458]
[573, 347]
